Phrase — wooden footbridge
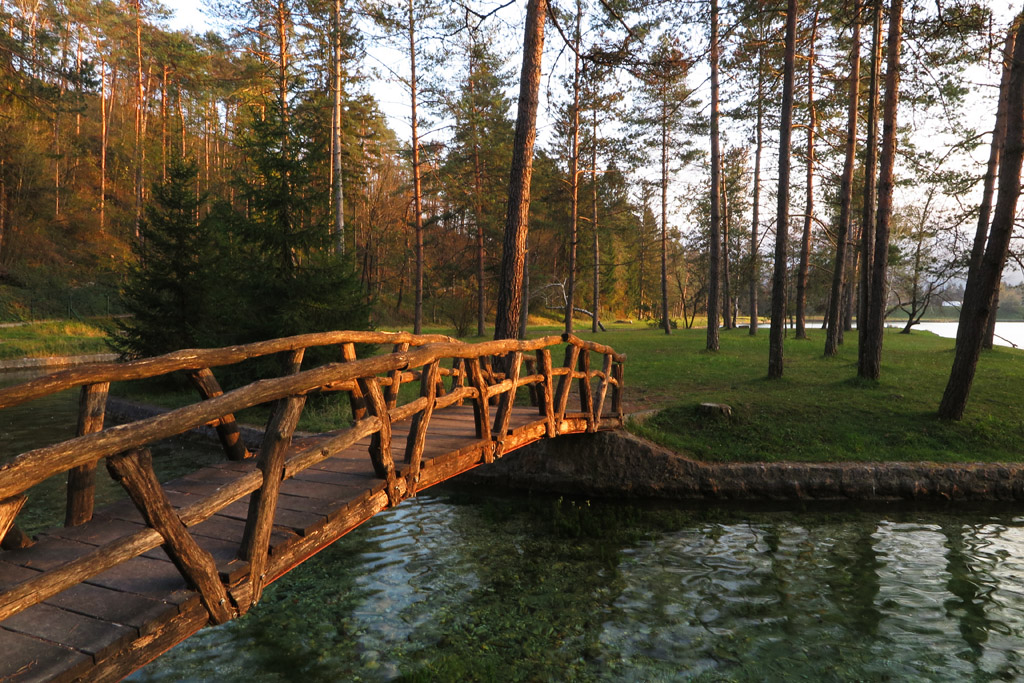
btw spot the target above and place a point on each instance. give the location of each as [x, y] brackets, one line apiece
[112, 590]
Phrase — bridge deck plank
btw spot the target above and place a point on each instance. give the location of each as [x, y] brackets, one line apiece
[121, 617]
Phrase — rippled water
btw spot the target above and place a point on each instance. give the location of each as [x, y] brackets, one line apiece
[455, 587]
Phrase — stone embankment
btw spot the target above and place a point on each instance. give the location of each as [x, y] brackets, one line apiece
[622, 465]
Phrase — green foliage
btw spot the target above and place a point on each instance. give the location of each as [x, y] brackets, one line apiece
[173, 290]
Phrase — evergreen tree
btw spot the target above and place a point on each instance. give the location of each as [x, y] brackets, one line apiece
[172, 290]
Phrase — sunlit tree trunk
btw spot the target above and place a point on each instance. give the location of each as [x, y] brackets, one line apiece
[715, 238]
[338, 204]
[594, 323]
[510, 284]
[805, 242]
[870, 360]
[416, 180]
[574, 177]
[982, 287]
[833, 318]
[778, 324]
[867, 230]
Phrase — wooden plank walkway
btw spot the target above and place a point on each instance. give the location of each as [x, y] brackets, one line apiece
[113, 621]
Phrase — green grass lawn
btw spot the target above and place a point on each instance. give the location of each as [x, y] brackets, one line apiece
[819, 411]
[54, 338]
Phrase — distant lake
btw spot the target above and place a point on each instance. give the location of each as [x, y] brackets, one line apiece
[1007, 333]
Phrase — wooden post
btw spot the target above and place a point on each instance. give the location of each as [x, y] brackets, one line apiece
[572, 354]
[92, 405]
[547, 391]
[586, 395]
[9, 509]
[617, 392]
[227, 429]
[134, 469]
[418, 432]
[263, 502]
[480, 410]
[458, 375]
[505, 403]
[531, 369]
[380, 442]
[396, 378]
[602, 391]
[348, 352]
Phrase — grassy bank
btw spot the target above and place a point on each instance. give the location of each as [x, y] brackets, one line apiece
[819, 411]
[51, 338]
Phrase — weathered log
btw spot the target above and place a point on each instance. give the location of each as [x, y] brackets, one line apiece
[504, 414]
[617, 390]
[572, 354]
[396, 378]
[380, 442]
[227, 428]
[586, 393]
[9, 509]
[601, 393]
[594, 346]
[348, 352]
[480, 405]
[418, 432]
[134, 469]
[81, 492]
[196, 359]
[547, 405]
[263, 503]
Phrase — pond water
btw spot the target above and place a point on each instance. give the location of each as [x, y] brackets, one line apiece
[1007, 333]
[456, 585]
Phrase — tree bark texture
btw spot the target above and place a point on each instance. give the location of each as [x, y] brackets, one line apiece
[870, 363]
[597, 242]
[805, 242]
[833, 318]
[715, 239]
[574, 178]
[755, 270]
[867, 231]
[510, 285]
[778, 324]
[981, 288]
[417, 184]
[338, 204]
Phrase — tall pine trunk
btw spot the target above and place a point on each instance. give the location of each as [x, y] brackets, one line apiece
[988, 188]
[665, 324]
[416, 181]
[510, 284]
[338, 203]
[755, 221]
[870, 360]
[715, 238]
[985, 281]
[778, 325]
[805, 242]
[833, 318]
[595, 323]
[867, 230]
[574, 177]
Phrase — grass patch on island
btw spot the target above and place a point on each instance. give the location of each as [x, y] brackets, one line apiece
[52, 338]
[819, 410]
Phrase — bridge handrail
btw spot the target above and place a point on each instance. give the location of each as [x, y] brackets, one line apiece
[373, 416]
[198, 359]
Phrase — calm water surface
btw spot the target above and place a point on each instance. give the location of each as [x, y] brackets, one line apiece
[453, 586]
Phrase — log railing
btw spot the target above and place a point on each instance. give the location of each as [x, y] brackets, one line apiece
[489, 374]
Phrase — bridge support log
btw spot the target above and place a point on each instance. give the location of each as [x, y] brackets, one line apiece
[9, 509]
[480, 405]
[263, 503]
[602, 391]
[134, 470]
[396, 378]
[348, 352]
[572, 355]
[505, 403]
[586, 394]
[546, 391]
[418, 431]
[380, 442]
[92, 407]
[227, 429]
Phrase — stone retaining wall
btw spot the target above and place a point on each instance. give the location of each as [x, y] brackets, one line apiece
[622, 465]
